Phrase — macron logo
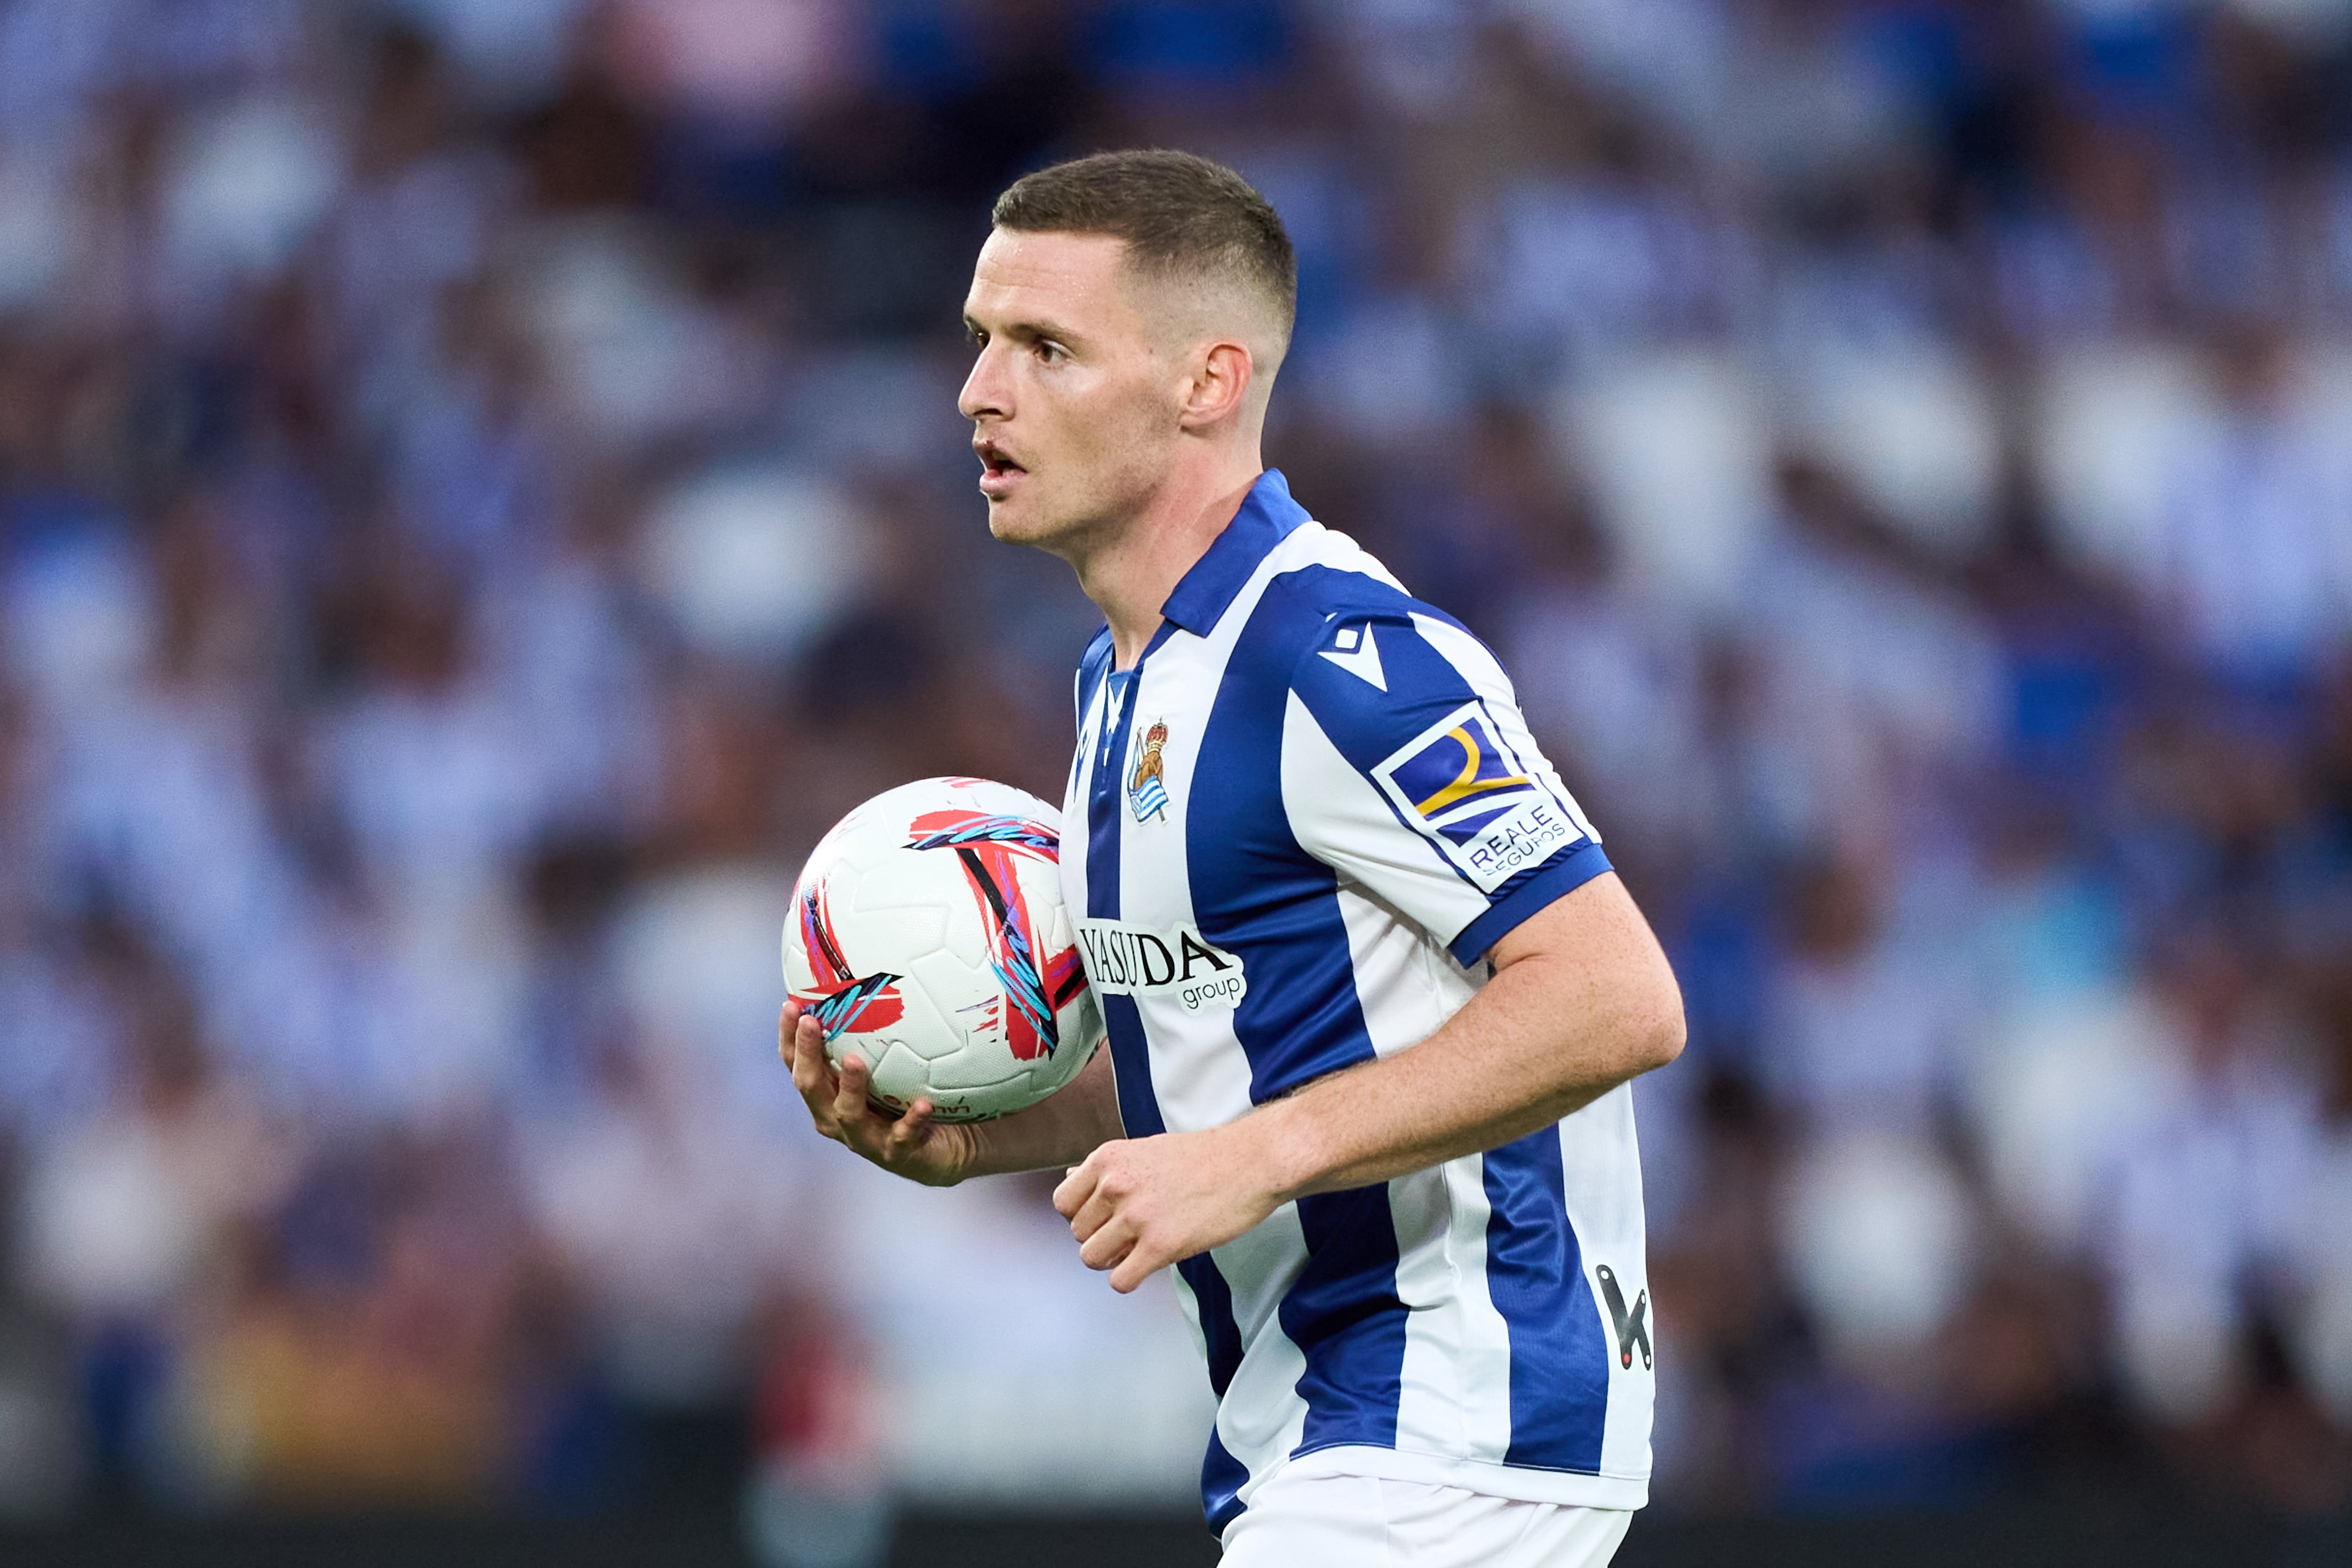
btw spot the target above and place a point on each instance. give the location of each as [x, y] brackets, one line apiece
[1360, 656]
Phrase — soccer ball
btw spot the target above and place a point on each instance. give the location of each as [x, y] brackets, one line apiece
[928, 937]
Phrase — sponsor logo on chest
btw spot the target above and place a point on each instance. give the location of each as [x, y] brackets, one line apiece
[1125, 959]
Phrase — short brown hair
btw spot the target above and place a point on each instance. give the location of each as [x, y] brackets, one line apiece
[1178, 213]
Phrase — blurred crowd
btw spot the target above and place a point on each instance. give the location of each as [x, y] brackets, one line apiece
[481, 492]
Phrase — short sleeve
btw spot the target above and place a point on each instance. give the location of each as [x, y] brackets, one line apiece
[1406, 766]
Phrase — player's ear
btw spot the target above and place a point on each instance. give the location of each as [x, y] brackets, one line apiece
[1221, 372]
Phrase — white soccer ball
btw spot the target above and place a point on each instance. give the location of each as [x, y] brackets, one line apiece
[929, 938]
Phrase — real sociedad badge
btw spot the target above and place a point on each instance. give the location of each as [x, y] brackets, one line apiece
[1145, 792]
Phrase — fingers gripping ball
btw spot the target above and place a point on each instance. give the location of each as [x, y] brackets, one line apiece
[928, 937]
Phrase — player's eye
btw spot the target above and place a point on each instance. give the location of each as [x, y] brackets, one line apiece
[1051, 351]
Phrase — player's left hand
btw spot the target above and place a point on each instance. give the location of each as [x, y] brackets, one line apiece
[1140, 1204]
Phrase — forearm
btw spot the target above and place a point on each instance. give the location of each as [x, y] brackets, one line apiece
[1544, 1037]
[1061, 1129]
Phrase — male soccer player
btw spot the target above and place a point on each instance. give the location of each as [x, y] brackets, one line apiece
[1374, 994]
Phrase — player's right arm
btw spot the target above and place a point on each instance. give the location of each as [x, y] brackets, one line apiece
[1063, 1129]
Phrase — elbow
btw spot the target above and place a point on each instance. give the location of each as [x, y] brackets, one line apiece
[1667, 1040]
[1661, 1037]
[1664, 1043]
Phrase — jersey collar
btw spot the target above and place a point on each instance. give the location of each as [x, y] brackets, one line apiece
[1207, 591]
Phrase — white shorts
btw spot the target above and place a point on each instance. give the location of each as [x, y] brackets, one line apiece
[1310, 1519]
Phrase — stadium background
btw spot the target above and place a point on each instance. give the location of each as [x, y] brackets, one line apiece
[480, 490]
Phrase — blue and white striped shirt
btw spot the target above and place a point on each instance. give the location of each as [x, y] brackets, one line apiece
[1292, 832]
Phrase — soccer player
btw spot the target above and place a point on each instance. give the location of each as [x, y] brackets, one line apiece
[1374, 994]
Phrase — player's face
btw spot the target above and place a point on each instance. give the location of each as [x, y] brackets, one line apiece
[1074, 406]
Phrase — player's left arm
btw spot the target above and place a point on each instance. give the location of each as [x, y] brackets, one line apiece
[1582, 1000]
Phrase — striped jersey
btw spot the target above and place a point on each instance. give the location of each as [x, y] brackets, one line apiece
[1292, 832]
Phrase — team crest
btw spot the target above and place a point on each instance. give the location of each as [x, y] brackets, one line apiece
[1147, 791]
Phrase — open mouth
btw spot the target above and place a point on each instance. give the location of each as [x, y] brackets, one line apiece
[998, 470]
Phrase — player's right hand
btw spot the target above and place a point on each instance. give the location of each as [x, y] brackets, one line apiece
[936, 1154]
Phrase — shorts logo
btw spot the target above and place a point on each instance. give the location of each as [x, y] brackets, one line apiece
[1147, 791]
[1132, 961]
[1464, 787]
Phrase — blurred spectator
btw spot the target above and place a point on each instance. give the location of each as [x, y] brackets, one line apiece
[2256, 561]
[818, 1496]
[355, 1352]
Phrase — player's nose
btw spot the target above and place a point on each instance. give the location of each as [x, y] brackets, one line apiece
[986, 394]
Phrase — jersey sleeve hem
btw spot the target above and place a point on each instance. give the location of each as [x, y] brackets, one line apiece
[1555, 878]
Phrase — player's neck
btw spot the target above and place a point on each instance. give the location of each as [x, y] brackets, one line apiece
[1130, 578]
